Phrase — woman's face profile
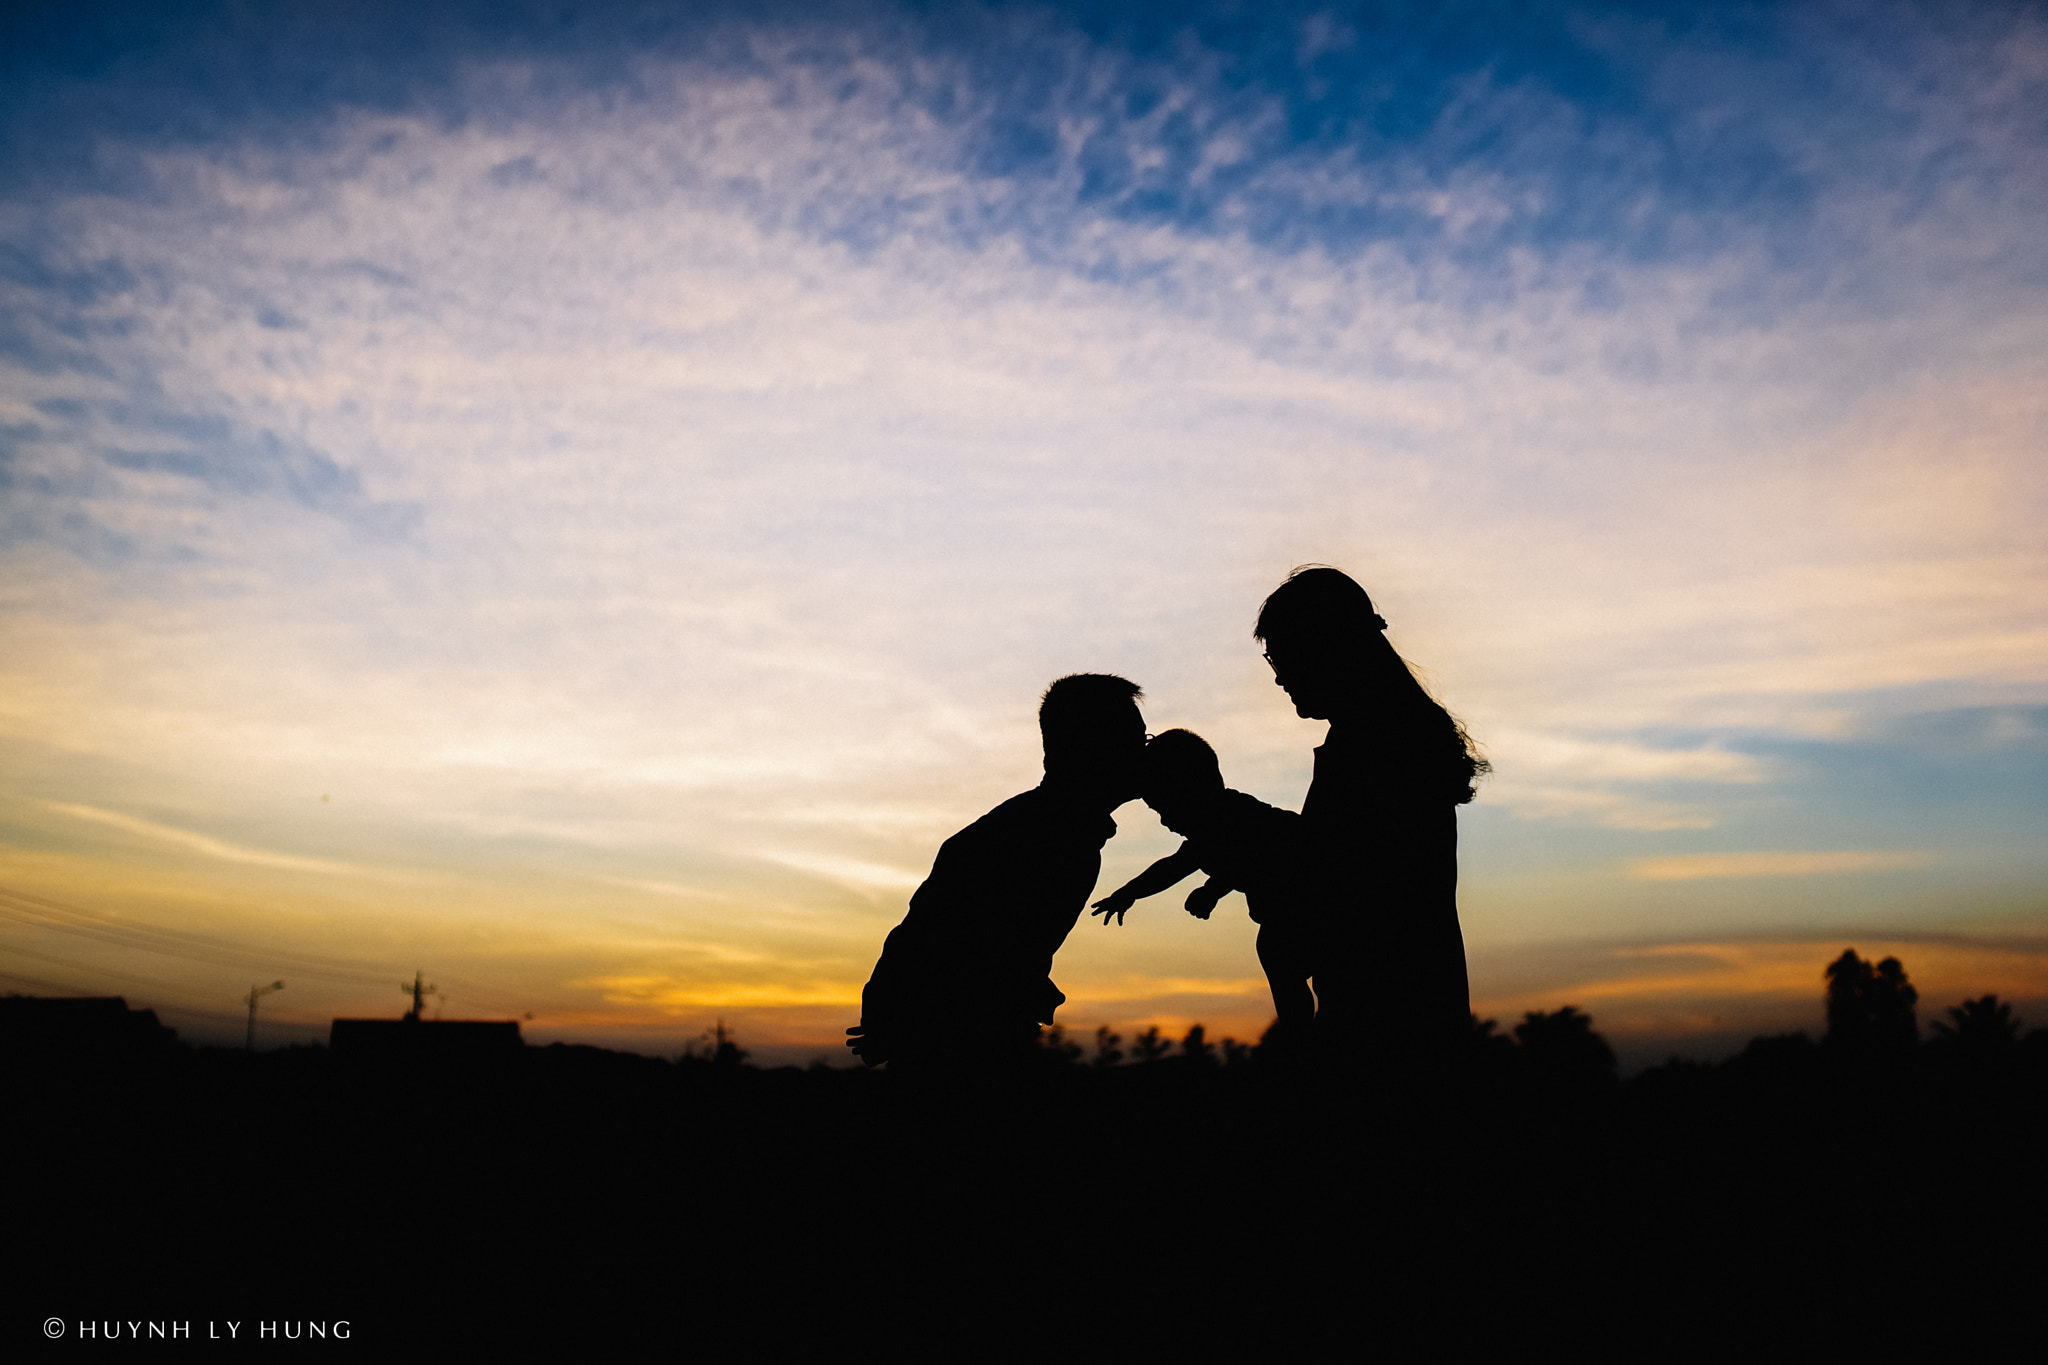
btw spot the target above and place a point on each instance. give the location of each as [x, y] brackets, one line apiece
[1305, 675]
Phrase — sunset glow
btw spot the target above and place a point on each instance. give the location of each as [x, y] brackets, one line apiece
[583, 514]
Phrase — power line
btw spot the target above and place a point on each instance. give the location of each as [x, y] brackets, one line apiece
[158, 989]
[155, 983]
[62, 988]
[44, 913]
[38, 983]
[70, 919]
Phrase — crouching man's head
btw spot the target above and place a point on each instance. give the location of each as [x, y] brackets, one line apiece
[1094, 736]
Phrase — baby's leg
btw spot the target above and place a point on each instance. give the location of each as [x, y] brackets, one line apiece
[1287, 973]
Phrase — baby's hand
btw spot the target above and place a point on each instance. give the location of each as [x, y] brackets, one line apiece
[1203, 899]
[1115, 904]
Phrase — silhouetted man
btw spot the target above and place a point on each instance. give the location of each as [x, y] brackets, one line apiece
[966, 977]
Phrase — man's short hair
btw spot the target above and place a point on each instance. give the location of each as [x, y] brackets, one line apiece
[1083, 708]
[1181, 761]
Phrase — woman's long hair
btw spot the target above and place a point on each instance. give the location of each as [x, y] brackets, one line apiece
[1324, 609]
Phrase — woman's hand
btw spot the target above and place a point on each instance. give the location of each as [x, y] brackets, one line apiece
[870, 1048]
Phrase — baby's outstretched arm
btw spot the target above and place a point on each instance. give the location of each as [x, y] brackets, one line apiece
[1174, 867]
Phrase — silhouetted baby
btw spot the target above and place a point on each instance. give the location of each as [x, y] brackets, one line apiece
[1244, 845]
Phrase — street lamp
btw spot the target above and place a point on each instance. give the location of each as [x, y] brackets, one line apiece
[257, 993]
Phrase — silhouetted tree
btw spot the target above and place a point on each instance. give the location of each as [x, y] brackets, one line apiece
[1234, 1052]
[1560, 1050]
[1981, 1027]
[1107, 1049]
[1052, 1042]
[1870, 1008]
[1848, 978]
[1488, 1052]
[1197, 1048]
[1481, 1036]
[1149, 1046]
[1778, 1055]
[1280, 1044]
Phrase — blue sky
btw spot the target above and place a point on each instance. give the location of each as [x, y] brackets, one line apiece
[587, 496]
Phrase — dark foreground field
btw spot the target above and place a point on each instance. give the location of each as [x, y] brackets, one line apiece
[593, 1200]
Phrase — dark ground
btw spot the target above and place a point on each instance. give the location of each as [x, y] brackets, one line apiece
[1788, 1201]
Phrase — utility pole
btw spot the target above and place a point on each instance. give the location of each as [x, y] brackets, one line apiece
[727, 1053]
[257, 993]
[419, 991]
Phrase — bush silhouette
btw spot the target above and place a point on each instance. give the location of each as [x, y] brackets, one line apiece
[1560, 1050]
[1778, 1054]
[1489, 1053]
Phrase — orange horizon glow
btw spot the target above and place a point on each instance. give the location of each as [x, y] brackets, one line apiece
[1666, 993]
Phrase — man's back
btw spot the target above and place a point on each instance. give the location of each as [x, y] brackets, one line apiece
[969, 968]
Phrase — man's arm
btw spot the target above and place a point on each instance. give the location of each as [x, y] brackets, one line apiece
[1174, 867]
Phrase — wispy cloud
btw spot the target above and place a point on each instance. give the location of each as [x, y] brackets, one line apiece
[850, 870]
[672, 996]
[196, 843]
[1616, 783]
[1694, 866]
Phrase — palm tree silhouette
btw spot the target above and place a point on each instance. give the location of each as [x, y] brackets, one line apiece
[1983, 1026]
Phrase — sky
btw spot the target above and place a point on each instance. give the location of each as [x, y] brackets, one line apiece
[579, 501]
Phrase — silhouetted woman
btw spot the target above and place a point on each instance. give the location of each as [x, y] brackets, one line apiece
[1381, 825]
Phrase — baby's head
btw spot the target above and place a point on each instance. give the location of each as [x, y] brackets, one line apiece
[1182, 778]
